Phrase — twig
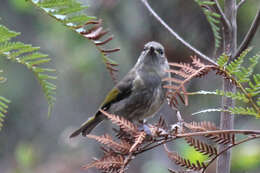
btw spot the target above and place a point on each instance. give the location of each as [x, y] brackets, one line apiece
[250, 34]
[223, 16]
[227, 148]
[126, 161]
[215, 132]
[240, 3]
[179, 117]
[157, 17]
[156, 145]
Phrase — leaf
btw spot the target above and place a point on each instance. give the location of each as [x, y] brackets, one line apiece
[107, 164]
[176, 158]
[6, 34]
[201, 126]
[27, 55]
[124, 124]
[234, 66]
[182, 73]
[3, 109]
[222, 60]
[107, 140]
[213, 19]
[209, 110]
[201, 147]
[71, 14]
[139, 138]
[244, 111]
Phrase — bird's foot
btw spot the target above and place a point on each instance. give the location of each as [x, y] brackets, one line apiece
[143, 126]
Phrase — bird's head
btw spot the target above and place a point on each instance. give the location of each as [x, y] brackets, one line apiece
[153, 58]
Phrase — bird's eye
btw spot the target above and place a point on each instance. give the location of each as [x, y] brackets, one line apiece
[160, 51]
[145, 48]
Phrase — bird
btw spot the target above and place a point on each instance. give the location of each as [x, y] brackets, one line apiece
[138, 95]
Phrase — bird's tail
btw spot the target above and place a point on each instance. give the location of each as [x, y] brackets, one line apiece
[88, 126]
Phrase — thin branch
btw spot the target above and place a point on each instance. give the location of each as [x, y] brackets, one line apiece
[240, 3]
[250, 34]
[223, 16]
[163, 141]
[157, 17]
[227, 148]
[215, 132]
[126, 162]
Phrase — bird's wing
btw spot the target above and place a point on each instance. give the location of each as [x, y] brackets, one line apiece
[121, 90]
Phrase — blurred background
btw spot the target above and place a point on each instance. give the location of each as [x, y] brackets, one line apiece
[31, 142]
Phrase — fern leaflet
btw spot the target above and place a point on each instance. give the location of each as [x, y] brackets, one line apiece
[213, 19]
[70, 14]
[29, 56]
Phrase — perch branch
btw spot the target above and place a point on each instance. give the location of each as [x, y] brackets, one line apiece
[215, 132]
[157, 17]
[240, 3]
[227, 148]
[223, 16]
[250, 34]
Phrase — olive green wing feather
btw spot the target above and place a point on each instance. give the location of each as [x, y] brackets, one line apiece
[122, 90]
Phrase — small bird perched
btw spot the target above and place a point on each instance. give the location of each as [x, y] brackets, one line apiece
[139, 94]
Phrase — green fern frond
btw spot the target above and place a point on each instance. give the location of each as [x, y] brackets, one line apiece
[254, 89]
[28, 56]
[247, 83]
[244, 73]
[55, 3]
[223, 60]
[70, 14]
[209, 111]
[6, 34]
[2, 79]
[234, 95]
[3, 109]
[235, 110]
[244, 111]
[234, 66]
[213, 19]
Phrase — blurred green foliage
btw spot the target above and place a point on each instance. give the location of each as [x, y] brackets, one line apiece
[246, 157]
[25, 156]
[189, 152]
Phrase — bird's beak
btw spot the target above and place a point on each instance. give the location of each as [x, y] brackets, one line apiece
[151, 50]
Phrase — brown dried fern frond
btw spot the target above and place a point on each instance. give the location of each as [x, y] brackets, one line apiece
[172, 171]
[220, 138]
[122, 147]
[112, 68]
[124, 136]
[186, 163]
[226, 76]
[123, 123]
[181, 74]
[201, 147]
[95, 33]
[201, 126]
[196, 62]
[107, 164]
[139, 139]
